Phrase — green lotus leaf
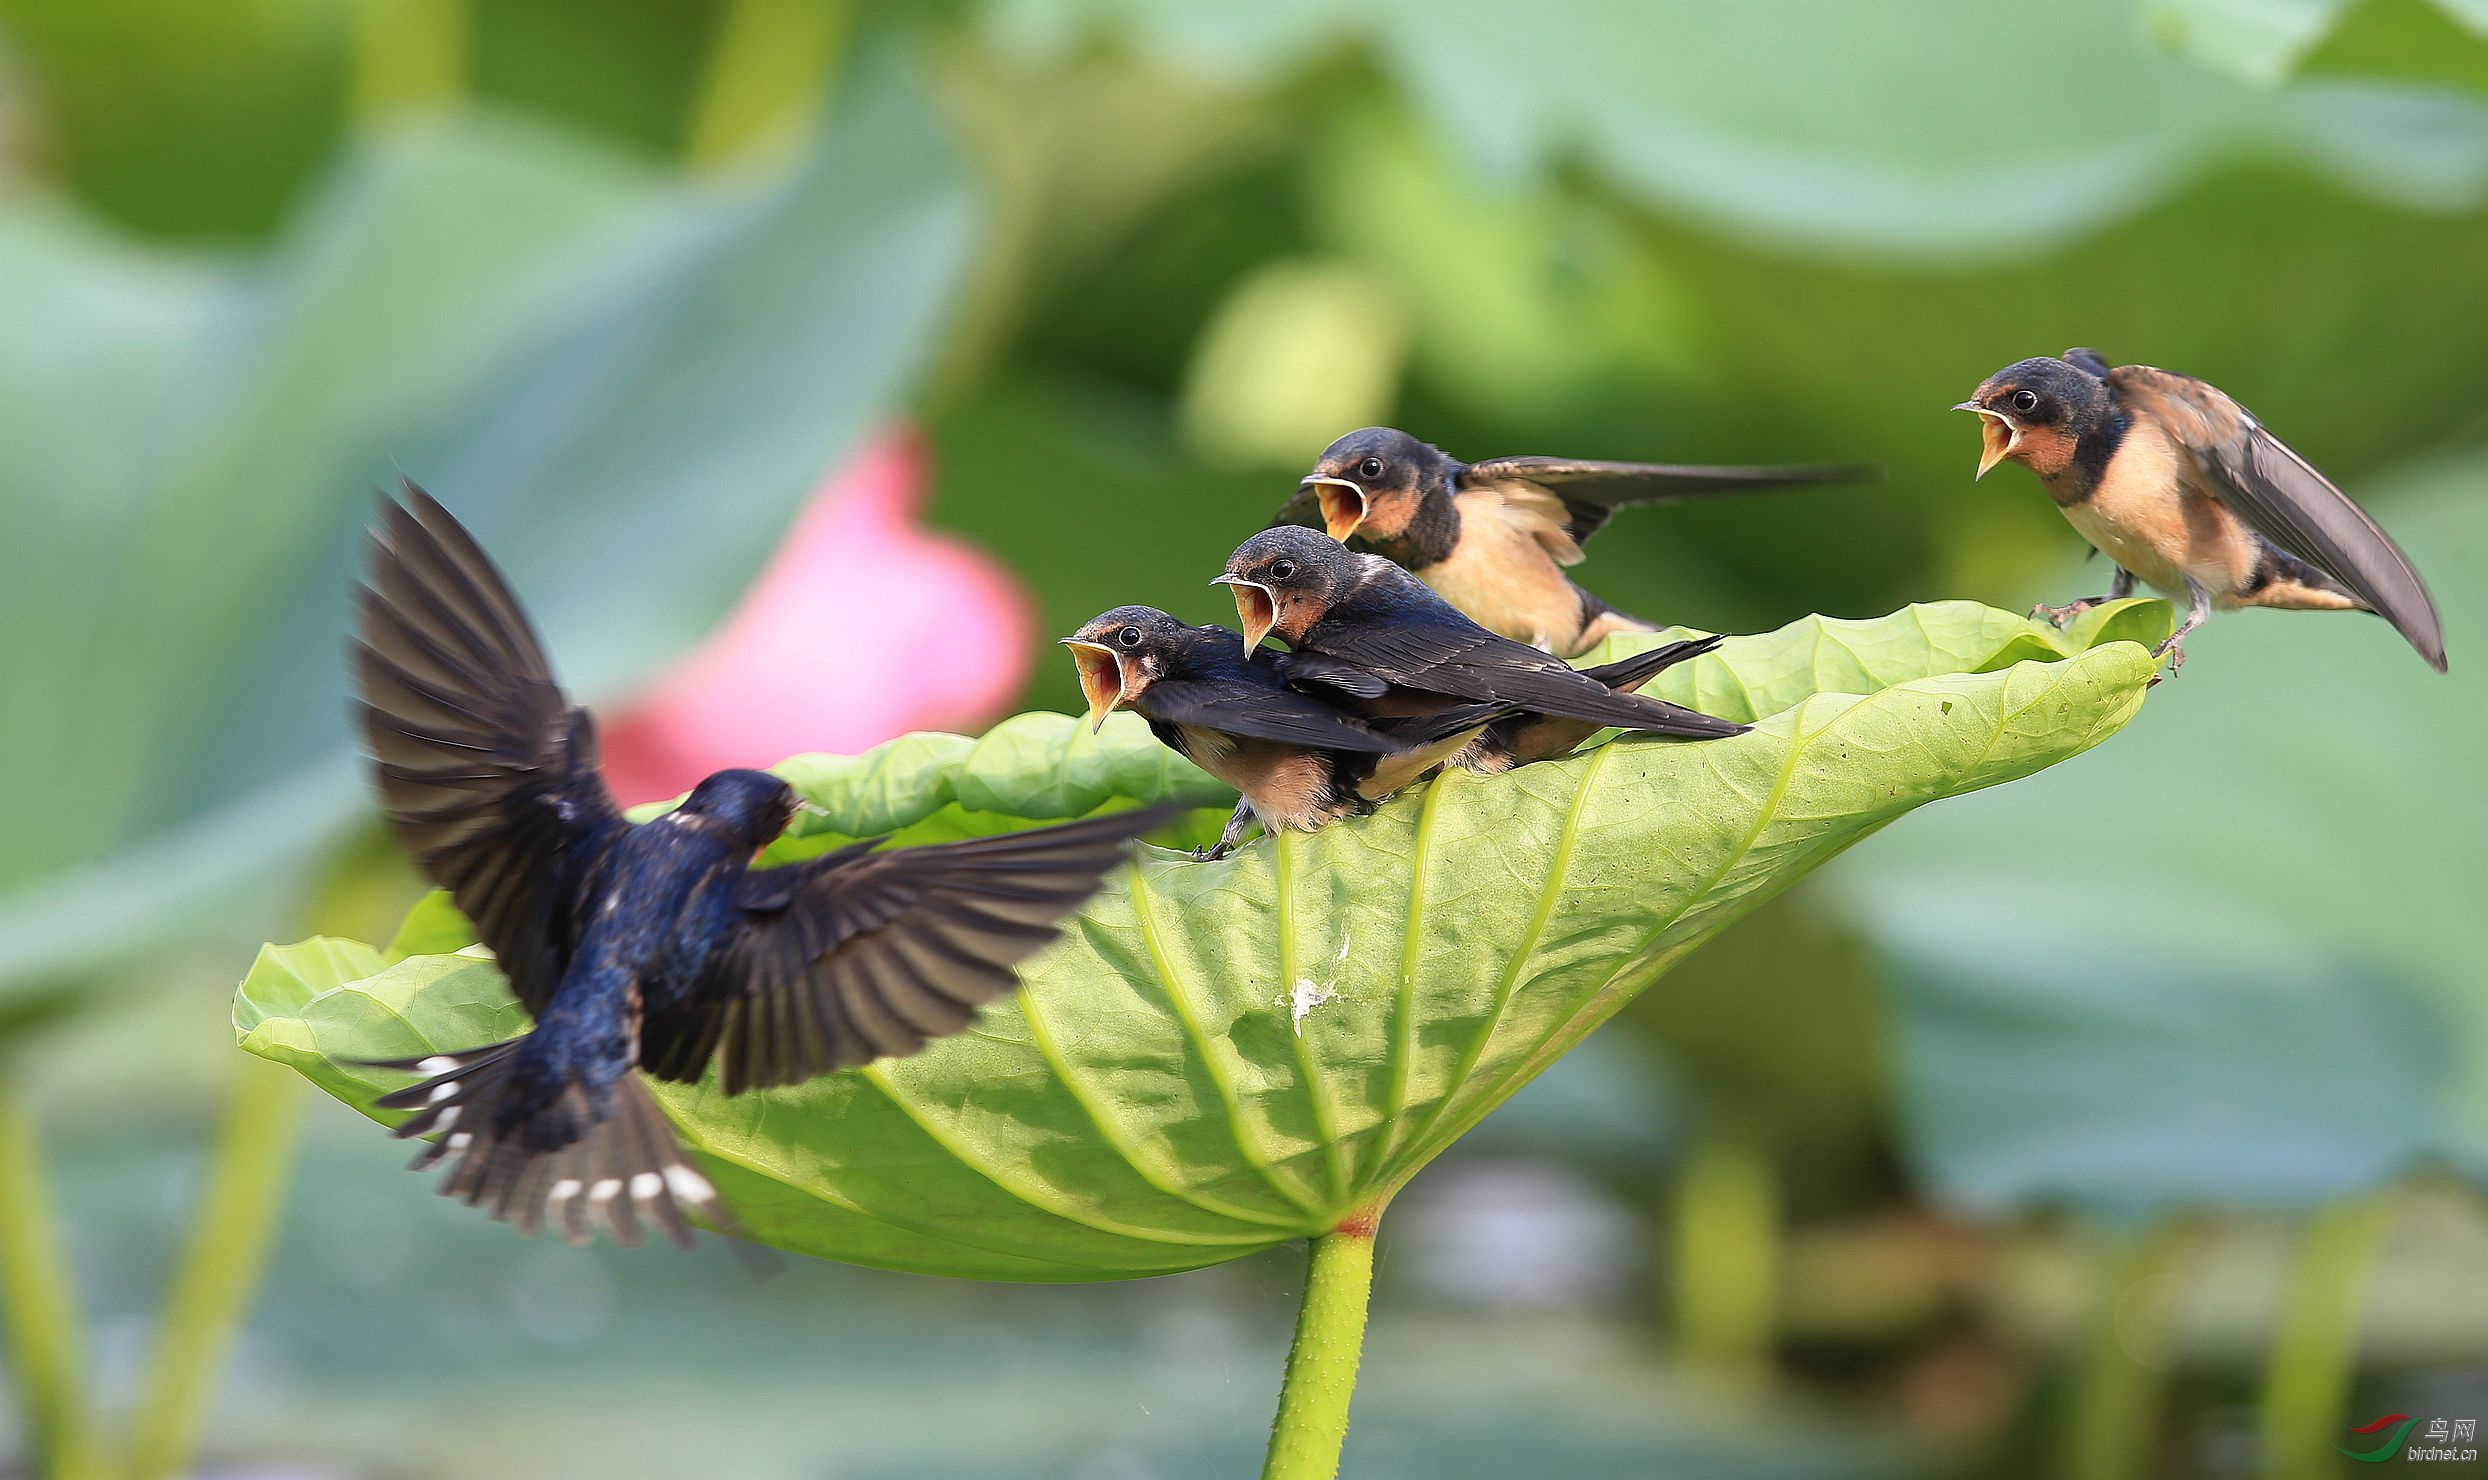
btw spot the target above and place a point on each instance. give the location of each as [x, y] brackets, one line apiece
[1221, 1057]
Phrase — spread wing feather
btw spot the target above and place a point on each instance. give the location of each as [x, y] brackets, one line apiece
[858, 954]
[1591, 491]
[488, 774]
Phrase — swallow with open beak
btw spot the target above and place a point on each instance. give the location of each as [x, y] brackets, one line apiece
[2188, 493]
[1361, 628]
[1493, 538]
[647, 948]
[1298, 761]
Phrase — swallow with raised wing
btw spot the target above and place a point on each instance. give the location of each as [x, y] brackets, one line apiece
[1494, 538]
[2189, 494]
[652, 947]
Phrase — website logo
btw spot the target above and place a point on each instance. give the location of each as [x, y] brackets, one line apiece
[2442, 1436]
[2400, 1424]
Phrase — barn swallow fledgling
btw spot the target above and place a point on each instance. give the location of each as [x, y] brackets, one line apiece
[1391, 648]
[2188, 493]
[1299, 762]
[654, 945]
[1493, 538]
[1518, 740]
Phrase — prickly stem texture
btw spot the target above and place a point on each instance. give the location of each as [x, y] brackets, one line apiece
[1312, 1422]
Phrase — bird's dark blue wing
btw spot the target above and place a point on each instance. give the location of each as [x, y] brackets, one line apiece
[1410, 637]
[862, 954]
[487, 772]
[1261, 713]
[1314, 671]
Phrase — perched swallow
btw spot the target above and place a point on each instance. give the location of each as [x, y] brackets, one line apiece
[1519, 739]
[1390, 648]
[2188, 493]
[654, 945]
[1493, 538]
[1299, 762]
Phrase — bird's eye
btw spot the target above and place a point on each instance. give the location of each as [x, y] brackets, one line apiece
[2025, 400]
[1129, 637]
[1369, 468]
[1282, 570]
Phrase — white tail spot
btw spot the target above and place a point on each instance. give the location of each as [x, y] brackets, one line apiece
[437, 1064]
[442, 1092]
[462, 1140]
[689, 1185]
[604, 1190]
[446, 1118]
[646, 1185]
[563, 1191]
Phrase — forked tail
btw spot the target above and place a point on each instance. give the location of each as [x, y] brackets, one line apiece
[1526, 737]
[561, 1164]
[1627, 674]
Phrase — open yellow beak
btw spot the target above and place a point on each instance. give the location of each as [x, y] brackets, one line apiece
[1101, 679]
[1999, 436]
[1343, 506]
[1255, 607]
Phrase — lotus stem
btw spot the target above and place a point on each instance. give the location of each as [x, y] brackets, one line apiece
[770, 69]
[220, 1271]
[1312, 1423]
[1727, 1257]
[46, 1335]
[2115, 1407]
[2306, 1385]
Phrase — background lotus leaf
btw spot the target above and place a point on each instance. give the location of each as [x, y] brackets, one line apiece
[1834, 126]
[625, 387]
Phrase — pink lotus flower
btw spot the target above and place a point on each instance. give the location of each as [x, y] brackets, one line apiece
[862, 627]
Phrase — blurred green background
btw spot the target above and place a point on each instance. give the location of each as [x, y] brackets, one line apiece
[2123, 1122]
